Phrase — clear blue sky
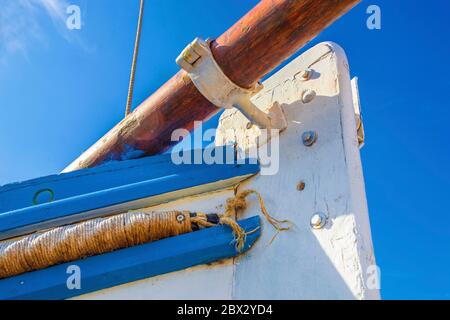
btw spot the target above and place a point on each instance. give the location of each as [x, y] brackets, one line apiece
[61, 90]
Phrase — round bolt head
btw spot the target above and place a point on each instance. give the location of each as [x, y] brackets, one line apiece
[309, 138]
[180, 217]
[318, 220]
[301, 186]
[306, 74]
[308, 96]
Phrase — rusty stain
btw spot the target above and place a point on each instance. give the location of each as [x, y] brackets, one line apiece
[301, 186]
[218, 262]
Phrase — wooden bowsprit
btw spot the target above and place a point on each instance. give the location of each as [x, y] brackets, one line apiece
[266, 36]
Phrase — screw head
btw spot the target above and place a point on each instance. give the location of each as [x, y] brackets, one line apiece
[306, 74]
[318, 220]
[309, 138]
[249, 125]
[180, 218]
[308, 96]
[301, 186]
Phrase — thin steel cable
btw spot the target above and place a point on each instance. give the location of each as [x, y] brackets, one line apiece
[133, 65]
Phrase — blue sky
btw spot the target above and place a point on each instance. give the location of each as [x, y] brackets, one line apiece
[61, 90]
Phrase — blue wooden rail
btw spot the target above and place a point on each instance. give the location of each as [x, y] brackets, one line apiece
[131, 264]
[111, 188]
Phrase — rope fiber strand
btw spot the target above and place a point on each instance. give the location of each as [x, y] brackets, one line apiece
[73, 242]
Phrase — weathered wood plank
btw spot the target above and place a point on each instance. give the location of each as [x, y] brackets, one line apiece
[109, 189]
[333, 262]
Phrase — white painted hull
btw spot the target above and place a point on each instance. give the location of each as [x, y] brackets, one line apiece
[335, 262]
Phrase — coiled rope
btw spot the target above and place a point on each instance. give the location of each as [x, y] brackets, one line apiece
[97, 236]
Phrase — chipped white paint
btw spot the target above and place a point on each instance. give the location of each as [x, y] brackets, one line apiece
[304, 263]
[328, 263]
[198, 61]
[358, 116]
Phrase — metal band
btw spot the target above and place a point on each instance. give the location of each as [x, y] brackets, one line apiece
[198, 61]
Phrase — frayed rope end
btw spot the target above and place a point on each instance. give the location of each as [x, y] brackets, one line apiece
[233, 207]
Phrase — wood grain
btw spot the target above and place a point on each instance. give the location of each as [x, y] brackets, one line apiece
[270, 33]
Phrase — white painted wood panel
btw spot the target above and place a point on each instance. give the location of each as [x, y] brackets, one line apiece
[330, 263]
[303, 263]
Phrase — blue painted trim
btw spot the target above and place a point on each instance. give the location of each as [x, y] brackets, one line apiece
[95, 192]
[131, 264]
[110, 175]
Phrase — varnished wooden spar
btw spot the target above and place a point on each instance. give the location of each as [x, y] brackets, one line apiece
[270, 33]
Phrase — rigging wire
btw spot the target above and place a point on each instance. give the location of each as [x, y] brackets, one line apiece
[133, 65]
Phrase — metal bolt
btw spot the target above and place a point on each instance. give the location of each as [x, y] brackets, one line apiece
[306, 74]
[180, 217]
[301, 186]
[308, 96]
[309, 138]
[318, 220]
[249, 125]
